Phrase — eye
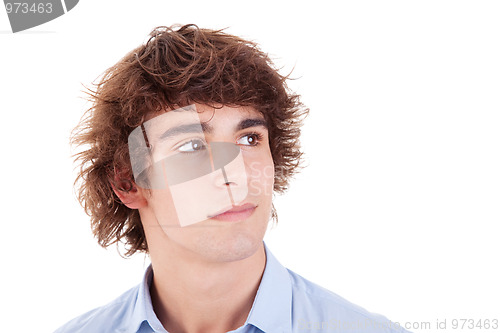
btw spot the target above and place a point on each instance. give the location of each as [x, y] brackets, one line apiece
[192, 146]
[252, 139]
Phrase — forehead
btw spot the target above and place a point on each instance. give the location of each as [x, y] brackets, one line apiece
[206, 113]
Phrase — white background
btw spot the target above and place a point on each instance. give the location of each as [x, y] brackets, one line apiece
[397, 210]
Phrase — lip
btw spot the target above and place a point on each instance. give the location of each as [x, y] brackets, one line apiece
[235, 214]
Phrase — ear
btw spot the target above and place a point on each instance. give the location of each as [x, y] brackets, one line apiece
[128, 192]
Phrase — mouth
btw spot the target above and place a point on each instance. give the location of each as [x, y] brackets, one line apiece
[235, 214]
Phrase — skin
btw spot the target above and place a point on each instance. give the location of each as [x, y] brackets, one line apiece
[206, 275]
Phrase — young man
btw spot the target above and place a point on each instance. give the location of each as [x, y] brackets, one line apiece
[188, 137]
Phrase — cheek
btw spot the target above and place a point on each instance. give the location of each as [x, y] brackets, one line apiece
[261, 176]
[163, 208]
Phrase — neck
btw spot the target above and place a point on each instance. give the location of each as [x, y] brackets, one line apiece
[191, 295]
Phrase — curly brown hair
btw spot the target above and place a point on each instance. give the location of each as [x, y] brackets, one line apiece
[177, 66]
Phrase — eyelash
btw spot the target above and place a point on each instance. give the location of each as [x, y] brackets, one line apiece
[258, 138]
[192, 140]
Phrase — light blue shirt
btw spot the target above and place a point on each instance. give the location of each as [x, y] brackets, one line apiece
[285, 303]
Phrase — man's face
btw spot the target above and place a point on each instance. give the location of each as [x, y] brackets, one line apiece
[210, 190]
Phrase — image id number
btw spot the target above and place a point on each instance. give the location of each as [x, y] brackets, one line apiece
[474, 324]
[25, 8]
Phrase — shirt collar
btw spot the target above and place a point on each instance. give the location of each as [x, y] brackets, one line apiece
[271, 309]
[142, 310]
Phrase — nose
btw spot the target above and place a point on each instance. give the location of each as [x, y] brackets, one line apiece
[229, 169]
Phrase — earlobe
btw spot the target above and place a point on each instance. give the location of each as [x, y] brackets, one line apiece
[128, 193]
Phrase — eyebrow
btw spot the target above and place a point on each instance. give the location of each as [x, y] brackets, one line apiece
[251, 122]
[182, 129]
[206, 128]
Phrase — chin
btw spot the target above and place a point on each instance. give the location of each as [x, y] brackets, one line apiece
[235, 248]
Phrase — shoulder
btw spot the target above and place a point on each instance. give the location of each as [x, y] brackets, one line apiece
[315, 308]
[104, 319]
